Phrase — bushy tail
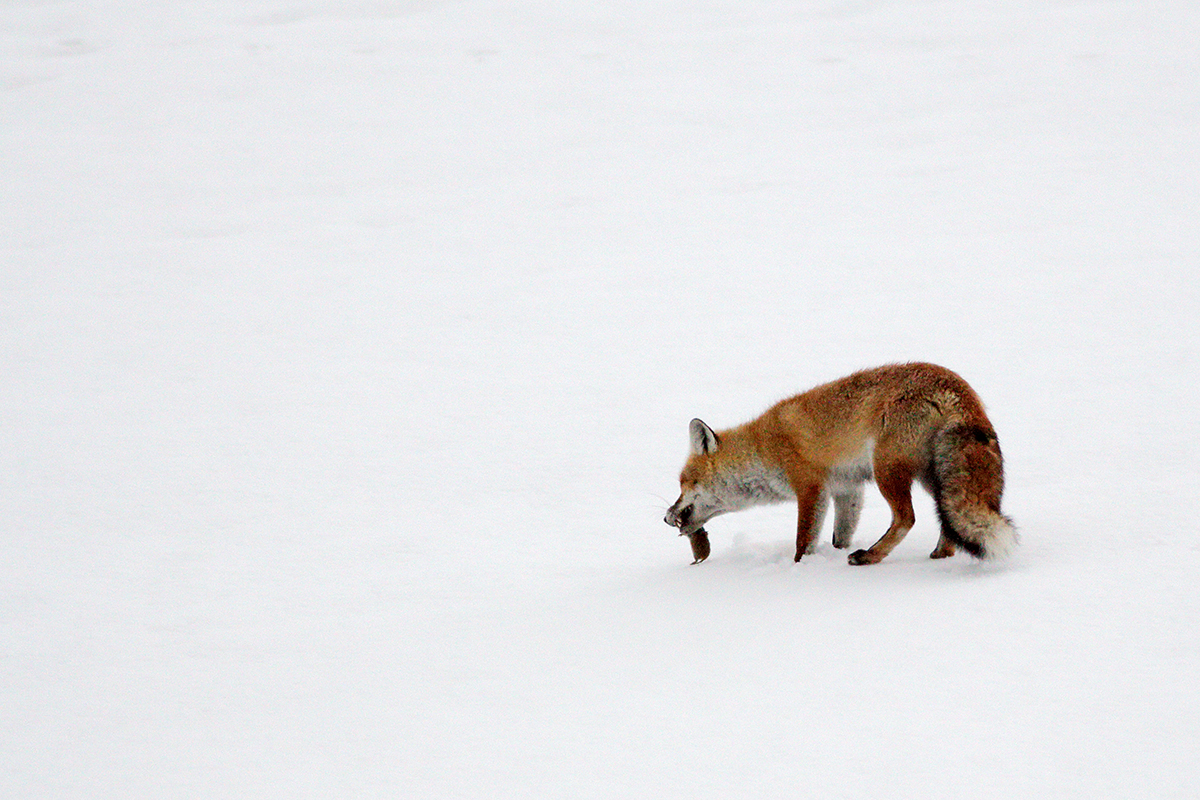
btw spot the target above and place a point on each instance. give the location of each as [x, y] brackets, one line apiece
[968, 482]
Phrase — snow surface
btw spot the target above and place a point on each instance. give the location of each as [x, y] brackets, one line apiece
[348, 351]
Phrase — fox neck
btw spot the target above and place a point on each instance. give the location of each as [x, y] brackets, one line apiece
[752, 482]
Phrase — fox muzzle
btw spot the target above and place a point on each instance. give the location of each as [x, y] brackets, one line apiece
[678, 517]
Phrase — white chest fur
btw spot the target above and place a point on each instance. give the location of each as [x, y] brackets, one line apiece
[854, 471]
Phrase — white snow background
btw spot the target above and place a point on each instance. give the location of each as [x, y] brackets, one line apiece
[347, 351]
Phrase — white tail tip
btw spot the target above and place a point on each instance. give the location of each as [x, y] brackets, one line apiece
[1002, 539]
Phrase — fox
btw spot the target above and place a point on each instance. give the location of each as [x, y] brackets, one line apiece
[895, 425]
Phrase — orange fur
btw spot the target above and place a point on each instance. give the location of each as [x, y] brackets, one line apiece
[897, 424]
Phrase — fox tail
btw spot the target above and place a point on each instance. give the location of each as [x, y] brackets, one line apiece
[968, 480]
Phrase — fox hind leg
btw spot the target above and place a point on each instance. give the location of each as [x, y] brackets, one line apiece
[945, 548]
[895, 485]
[945, 545]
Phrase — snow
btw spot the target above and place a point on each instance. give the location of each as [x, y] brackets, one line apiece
[349, 350]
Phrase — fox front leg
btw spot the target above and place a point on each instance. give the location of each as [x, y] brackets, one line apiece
[811, 502]
[847, 508]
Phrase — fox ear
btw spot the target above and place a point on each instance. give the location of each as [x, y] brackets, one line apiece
[704, 441]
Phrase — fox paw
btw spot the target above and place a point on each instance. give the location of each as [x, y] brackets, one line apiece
[862, 557]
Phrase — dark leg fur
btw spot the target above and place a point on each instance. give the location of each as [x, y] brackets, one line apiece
[809, 501]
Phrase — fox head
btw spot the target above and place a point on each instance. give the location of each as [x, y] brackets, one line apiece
[700, 483]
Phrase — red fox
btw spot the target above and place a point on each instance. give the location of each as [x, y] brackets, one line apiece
[894, 425]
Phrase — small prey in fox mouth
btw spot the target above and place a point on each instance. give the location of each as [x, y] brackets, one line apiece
[700, 546]
[682, 519]
[681, 516]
